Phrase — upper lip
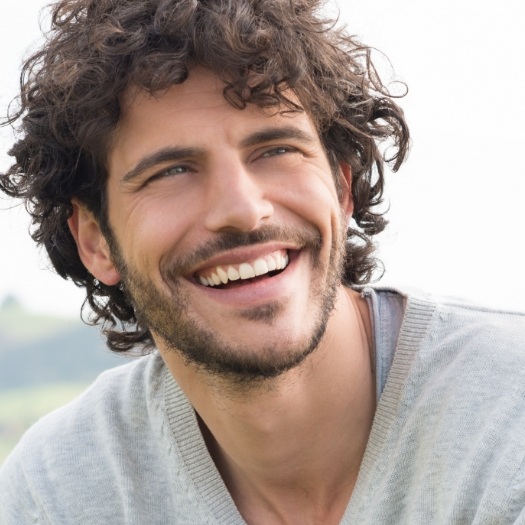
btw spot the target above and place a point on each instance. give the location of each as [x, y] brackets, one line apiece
[241, 255]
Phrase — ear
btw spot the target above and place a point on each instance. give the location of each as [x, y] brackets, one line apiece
[92, 246]
[345, 189]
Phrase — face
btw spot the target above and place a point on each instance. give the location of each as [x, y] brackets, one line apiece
[228, 232]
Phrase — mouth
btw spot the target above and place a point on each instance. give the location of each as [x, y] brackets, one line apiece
[231, 275]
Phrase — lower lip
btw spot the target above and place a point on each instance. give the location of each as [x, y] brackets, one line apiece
[256, 292]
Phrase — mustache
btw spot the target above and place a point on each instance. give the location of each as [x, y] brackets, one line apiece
[309, 238]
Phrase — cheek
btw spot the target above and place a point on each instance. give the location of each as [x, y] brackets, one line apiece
[149, 228]
[311, 197]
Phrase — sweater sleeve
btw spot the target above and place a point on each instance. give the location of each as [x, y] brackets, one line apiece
[17, 504]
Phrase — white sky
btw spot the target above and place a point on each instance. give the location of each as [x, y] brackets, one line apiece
[456, 216]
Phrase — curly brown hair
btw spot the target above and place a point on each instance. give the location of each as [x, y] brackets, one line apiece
[71, 90]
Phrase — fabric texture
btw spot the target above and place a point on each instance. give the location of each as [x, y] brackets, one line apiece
[446, 446]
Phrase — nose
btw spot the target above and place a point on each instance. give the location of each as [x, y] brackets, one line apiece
[236, 199]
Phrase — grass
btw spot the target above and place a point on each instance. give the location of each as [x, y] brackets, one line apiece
[20, 408]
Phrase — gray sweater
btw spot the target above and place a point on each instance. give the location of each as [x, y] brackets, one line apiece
[447, 445]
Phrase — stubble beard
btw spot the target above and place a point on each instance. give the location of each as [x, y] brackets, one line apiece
[167, 317]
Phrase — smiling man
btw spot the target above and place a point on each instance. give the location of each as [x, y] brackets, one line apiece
[244, 281]
[210, 172]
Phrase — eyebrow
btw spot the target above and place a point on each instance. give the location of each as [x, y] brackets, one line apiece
[278, 133]
[174, 153]
[158, 157]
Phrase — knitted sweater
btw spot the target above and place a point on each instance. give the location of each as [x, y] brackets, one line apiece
[447, 444]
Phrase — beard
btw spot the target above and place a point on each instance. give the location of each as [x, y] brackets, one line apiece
[167, 314]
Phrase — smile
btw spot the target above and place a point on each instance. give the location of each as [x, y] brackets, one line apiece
[223, 274]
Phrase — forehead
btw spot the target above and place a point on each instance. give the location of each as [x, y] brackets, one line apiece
[202, 91]
[194, 113]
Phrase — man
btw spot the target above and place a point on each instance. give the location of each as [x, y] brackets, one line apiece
[209, 172]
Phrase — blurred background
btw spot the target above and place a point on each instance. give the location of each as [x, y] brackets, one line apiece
[455, 207]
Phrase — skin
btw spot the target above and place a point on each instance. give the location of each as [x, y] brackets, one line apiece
[288, 448]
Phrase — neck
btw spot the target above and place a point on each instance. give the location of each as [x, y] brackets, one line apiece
[289, 449]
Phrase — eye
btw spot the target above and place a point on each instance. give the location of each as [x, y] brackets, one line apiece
[174, 170]
[279, 150]
[179, 169]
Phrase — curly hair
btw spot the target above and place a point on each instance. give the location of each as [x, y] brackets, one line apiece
[70, 105]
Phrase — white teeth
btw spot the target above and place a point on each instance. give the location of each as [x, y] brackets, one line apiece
[260, 267]
[233, 274]
[271, 264]
[220, 275]
[223, 276]
[246, 271]
[282, 261]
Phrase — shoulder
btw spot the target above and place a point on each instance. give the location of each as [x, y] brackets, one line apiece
[472, 331]
[463, 348]
[114, 402]
[454, 406]
[464, 359]
[456, 320]
[128, 389]
[79, 442]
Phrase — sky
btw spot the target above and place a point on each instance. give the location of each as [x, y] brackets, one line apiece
[456, 206]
